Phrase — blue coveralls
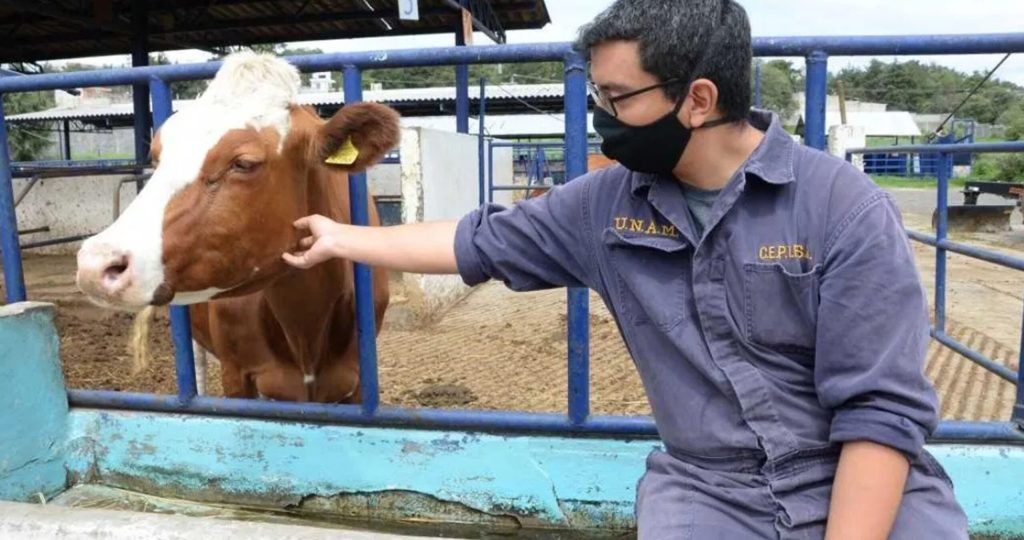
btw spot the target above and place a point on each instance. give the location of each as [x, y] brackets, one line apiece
[797, 321]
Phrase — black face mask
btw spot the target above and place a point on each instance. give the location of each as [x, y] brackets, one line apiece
[652, 148]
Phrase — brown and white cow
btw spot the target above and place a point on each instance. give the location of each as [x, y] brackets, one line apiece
[233, 171]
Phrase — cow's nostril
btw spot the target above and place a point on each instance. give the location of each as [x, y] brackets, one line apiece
[116, 269]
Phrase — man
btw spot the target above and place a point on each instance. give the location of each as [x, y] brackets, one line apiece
[765, 290]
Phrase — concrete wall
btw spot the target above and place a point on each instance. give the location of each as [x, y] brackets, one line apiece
[33, 404]
[440, 181]
[69, 206]
[842, 137]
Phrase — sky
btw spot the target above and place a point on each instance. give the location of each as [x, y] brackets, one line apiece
[767, 18]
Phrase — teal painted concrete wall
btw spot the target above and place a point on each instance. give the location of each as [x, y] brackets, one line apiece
[33, 404]
[544, 480]
[553, 481]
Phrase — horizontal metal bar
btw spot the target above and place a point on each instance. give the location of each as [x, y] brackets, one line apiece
[536, 145]
[494, 421]
[889, 45]
[993, 257]
[63, 163]
[519, 188]
[989, 432]
[971, 148]
[532, 52]
[975, 356]
[439, 56]
[55, 241]
[640, 426]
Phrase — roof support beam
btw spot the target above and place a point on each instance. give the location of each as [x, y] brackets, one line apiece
[485, 20]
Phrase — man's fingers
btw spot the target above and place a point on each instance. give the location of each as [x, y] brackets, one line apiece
[298, 259]
[302, 223]
[307, 242]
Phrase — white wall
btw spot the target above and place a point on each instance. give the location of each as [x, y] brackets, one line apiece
[440, 180]
[385, 180]
[843, 137]
[69, 206]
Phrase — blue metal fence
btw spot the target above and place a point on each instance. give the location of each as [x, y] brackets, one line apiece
[578, 419]
[942, 245]
[532, 160]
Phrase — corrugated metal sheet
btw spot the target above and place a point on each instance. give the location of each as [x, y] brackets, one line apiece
[442, 94]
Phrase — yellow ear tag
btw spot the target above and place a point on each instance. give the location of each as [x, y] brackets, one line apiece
[346, 154]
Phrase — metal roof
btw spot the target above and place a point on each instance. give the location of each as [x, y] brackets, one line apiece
[37, 30]
[409, 102]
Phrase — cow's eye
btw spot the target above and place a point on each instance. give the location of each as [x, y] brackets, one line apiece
[244, 165]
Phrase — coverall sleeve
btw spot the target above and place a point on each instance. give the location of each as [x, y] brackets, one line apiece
[873, 333]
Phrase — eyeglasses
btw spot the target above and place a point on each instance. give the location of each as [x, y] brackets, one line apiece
[608, 103]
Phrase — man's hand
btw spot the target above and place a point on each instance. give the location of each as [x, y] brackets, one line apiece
[867, 491]
[422, 248]
[320, 245]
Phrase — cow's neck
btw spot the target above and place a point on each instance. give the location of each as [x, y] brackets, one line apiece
[304, 302]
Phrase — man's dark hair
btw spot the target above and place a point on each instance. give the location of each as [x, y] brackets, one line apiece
[673, 35]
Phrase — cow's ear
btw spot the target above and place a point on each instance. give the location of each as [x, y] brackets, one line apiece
[357, 136]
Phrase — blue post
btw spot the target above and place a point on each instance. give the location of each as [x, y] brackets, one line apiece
[941, 208]
[1017, 417]
[461, 86]
[366, 323]
[817, 96]
[758, 67]
[578, 298]
[140, 92]
[490, 172]
[14, 279]
[66, 149]
[181, 320]
[481, 141]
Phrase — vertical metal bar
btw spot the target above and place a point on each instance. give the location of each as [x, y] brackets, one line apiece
[817, 96]
[758, 69]
[942, 206]
[461, 86]
[181, 319]
[490, 172]
[366, 332]
[1017, 415]
[140, 92]
[480, 142]
[14, 278]
[578, 298]
[66, 149]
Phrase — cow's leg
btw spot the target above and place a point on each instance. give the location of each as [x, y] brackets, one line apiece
[281, 381]
[235, 383]
[199, 356]
[338, 381]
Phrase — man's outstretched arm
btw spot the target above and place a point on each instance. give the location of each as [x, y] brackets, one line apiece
[422, 248]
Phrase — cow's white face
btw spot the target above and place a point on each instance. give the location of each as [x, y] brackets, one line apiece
[233, 172]
[123, 266]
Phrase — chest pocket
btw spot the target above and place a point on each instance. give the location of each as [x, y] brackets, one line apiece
[652, 276]
[780, 306]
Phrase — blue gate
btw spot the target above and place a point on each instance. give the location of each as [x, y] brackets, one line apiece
[578, 419]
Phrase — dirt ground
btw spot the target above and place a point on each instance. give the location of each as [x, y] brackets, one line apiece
[504, 350]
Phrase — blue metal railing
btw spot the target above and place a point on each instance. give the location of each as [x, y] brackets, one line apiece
[942, 245]
[535, 164]
[578, 418]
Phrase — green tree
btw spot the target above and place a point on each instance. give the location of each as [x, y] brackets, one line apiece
[1013, 119]
[779, 83]
[27, 142]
